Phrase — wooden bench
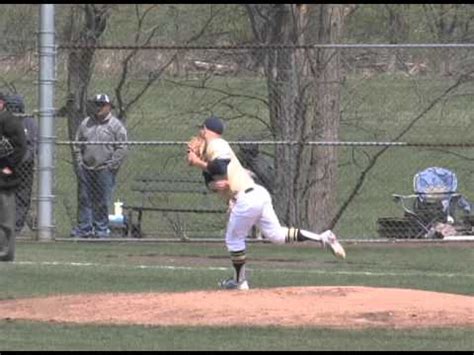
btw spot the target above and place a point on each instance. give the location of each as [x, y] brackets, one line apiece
[165, 187]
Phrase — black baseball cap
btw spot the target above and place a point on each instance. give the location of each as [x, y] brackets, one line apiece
[16, 103]
[213, 124]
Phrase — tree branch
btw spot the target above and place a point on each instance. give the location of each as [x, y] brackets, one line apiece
[156, 75]
[461, 80]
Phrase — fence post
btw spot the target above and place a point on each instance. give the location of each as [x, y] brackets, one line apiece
[46, 139]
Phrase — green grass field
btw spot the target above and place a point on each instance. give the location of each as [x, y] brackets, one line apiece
[56, 268]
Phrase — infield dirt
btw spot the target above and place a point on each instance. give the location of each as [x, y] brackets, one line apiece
[331, 306]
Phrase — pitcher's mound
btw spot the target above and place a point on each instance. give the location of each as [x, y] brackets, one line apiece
[337, 307]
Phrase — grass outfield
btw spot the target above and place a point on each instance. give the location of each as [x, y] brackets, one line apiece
[66, 268]
[34, 336]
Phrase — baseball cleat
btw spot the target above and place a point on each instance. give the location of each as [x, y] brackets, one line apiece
[329, 239]
[231, 284]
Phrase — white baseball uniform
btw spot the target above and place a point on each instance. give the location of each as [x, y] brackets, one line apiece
[252, 205]
[252, 202]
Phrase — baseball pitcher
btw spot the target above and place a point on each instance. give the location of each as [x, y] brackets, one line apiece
[250, 204]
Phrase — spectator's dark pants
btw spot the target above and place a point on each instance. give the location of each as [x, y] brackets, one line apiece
[96, 188]
[7, 220]
[23, 193]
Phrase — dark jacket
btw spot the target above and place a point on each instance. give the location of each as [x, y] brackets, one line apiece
[31, 132]
[12, 128]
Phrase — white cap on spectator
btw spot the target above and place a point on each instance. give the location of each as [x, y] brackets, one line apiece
[103, 99]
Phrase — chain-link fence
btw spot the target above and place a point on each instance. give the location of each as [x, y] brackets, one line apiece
[384, 95]
[332, 131]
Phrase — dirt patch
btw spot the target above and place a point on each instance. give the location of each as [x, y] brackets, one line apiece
[335, 307]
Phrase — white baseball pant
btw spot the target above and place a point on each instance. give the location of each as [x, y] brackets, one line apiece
[253, 207]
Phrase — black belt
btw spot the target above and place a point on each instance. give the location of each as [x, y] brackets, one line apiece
[249, 190]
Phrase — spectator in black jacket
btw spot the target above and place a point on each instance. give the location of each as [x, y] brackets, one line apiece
[12, 136]
[16, 105]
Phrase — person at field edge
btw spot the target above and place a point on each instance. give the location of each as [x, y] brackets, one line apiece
[97, 167]
[11, 132]
[16, 105]
[250, 203]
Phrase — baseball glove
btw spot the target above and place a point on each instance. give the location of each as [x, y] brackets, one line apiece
[6, 147]
[197, 145]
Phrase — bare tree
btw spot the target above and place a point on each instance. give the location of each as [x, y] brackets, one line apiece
[84, 29]
[326, 113]
[86, 23]
[302, 107]
[143, 36]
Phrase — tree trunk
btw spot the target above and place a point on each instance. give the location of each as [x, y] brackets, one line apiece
[319, 182]
[282, 82]
[302, 108]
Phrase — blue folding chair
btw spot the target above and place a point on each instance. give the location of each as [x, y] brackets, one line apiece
[435, 200]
